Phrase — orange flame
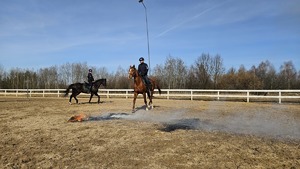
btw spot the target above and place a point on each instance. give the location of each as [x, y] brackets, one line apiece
[78, 118]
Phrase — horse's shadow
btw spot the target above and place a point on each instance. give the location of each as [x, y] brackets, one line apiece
[144, 108]
[101, 102]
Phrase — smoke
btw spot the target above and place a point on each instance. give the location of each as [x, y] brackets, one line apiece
[272, 123]
[140, 115]
[262, 124]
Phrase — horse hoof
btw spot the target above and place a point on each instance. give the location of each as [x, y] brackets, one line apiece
[70, 103]
[147, 108]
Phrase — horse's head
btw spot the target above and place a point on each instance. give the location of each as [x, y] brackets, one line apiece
[132, 72]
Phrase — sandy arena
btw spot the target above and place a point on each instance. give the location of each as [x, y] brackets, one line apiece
[175, 134]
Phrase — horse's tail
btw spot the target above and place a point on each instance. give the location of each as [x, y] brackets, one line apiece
[155, 85]
[159, 91]
[68, 90]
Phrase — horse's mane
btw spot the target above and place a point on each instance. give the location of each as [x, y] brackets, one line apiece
[101, 81]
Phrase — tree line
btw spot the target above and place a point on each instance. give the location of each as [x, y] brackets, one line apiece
[207, 72]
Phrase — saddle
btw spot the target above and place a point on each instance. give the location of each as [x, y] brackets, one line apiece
[87, 86]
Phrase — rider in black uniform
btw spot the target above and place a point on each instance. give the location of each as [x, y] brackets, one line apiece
[143, 71]
[90, 79]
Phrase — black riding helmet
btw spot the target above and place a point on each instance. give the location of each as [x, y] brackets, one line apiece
[141, 59]
[90, 70]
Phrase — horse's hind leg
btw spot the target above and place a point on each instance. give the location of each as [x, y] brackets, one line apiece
[145, 101]
[98, 97]
[76, 99]
[70, 100]
[74, 94]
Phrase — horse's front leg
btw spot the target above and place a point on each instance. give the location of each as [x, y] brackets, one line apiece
[91, 97]
[150, 100]
[134, 99]
[145, 101]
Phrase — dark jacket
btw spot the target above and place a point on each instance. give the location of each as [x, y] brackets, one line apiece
[90, 78]
[143, 69]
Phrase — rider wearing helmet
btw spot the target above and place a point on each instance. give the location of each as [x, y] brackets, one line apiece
[90, 79]
[143, 71]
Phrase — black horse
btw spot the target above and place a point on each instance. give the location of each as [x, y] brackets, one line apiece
[78, 88]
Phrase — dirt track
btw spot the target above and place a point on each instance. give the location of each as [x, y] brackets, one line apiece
[175, 134]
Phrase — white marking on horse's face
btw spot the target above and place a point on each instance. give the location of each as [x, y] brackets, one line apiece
[130, 73]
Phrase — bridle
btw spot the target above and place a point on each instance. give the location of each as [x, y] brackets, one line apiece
[132, 72]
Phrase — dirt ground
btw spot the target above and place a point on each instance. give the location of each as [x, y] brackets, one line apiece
[175, 134]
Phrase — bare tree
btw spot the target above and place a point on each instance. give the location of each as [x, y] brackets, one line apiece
[101, 72]
[159, 73]
[191, 83]
[229, 80]
[48, 77]
[175, 72]
[14, 78]
[203, 71]
[254, 82]
[267, 75]
[79, 72]
[206, 72]
[120, 79]
[217, 70]
[65, 74]
[2, 76]
[288, 75]
[298, 81]
[243, 78]
[181, 73]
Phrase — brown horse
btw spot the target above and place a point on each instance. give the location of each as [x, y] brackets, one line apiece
[140, 87]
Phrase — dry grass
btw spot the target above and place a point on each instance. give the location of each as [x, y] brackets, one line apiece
[35, 134]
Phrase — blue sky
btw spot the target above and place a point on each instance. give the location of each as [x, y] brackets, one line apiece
[112, 33]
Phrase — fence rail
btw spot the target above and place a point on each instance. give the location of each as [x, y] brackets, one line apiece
[262, 95]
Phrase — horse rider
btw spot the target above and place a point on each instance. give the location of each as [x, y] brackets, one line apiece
[143, 71]
[90, 79]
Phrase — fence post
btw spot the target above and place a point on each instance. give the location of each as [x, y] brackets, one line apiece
[279, 97]
[168, 94]
[107, 94]
[191, 94]
[17, 92]
[5, 92]
[218, 95]
[57, 93]
[126, 94]
[43, 93]
[248, 97]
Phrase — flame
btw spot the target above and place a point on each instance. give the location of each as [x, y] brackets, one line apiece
[78, 118]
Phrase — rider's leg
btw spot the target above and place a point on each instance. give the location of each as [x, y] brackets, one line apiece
[91, 85]
[149, 85]
[145, 82]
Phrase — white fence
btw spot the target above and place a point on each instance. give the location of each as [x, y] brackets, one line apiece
[246, 95]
